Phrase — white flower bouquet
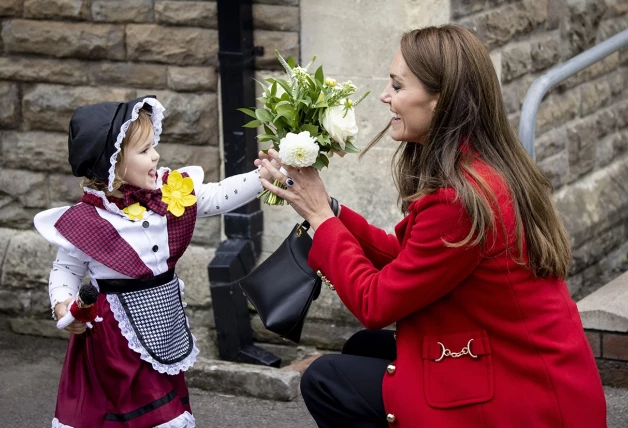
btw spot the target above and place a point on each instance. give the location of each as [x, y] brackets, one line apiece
[308, 118]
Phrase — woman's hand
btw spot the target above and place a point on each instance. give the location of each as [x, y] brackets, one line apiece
[76, 327]
[307, 195]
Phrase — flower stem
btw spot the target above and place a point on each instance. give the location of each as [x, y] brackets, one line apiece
[270, 198]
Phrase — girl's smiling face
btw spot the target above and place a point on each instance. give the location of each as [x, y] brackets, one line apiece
[139, 165]
[411, 105]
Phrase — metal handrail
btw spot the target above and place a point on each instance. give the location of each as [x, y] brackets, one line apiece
[527, 123]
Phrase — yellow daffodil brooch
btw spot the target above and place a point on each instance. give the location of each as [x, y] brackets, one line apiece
[177, 193]
[135, 211]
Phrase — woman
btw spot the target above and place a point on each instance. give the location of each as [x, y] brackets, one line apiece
[486, 332]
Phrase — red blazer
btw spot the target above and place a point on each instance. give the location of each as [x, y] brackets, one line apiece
[533, 366]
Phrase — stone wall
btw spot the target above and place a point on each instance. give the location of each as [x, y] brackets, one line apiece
[56, 55]
[582, 125]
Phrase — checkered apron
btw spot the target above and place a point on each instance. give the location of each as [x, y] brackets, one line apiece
[156, 315]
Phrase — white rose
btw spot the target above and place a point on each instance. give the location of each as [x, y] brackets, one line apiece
[298, 150]
[340, 126]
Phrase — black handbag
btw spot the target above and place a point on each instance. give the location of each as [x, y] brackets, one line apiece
[283, 286]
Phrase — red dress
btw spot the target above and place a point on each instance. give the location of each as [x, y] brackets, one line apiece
[532, 365]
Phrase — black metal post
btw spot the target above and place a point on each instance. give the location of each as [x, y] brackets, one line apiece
[236, 256]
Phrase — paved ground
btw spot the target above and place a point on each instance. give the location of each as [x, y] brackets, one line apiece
[31, 368]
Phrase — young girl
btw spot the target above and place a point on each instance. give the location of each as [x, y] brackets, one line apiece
[131, 226]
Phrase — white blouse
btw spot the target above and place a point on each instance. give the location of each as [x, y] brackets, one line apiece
[145, 235]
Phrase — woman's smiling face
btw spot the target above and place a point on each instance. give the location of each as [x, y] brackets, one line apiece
[411, 105]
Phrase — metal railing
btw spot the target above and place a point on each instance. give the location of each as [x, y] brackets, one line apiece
[527, 123]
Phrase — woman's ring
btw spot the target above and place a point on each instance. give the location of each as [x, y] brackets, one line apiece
[289, 182]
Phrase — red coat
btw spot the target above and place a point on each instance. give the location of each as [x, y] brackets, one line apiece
[533, 365]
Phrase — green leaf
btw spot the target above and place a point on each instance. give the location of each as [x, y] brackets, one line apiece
[285, 85]
[312, 129]
[268, 130]
[264, 115]
[273, 89]
[248, 112]
[321, 161]
[320, 77]
[267, 137]
[252, 124]
[286, 110]
[291, 61]
[264, 87]
[350, 148]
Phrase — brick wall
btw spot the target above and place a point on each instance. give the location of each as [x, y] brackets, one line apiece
[582, 125]
[56, 55]
[611, 355]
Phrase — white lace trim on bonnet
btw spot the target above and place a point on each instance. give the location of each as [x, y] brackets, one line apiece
[156, 117]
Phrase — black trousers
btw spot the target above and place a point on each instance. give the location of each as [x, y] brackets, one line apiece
[345, 390]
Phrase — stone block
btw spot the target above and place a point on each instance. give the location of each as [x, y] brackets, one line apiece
[615, 346]
[275, 18]
[177, 155]
[610, 27]
[582, 139]
[244, 379]
[556, 110]
[505, 23]
[11, 7]
[207, 231]
[605, 151]
[187, 13]
[594, 71]
[605, 269]
[516, 61]
[595, 340]
[594, 95]
[23, 187]
[10, 102]
[515, 92]
[616, 82]
[56, 9]
[595, 249]
[64, 39]
[40, 70]
[50, 107]
[621, 108]
[555, 168]
[620, 143]
[278, 2]
[615, 8]
[201, 316]
[5, 238]
[179, 46]
[556, 11]
[35, 151]
[33, 327]
[594, 203]
[287, 43]
[206, 342]
[122, 10]
[579, 26]
[189, 118]
[466, 7]
[545, 52]
[152, 76]
[606, 121]
[550, 143]
[9, 303]
[605, 309]
[192, 79]
[64, 189]
[192, 270]
[28, 261]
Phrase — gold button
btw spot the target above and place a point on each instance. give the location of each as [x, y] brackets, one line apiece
[319, 273]
[391, 418]
[391, 369]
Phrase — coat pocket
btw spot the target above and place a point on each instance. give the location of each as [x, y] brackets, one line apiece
[457, 369]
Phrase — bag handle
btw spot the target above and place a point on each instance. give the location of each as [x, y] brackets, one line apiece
[303, 227]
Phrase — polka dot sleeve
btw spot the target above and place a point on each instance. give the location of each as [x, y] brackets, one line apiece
[65, 278]
[228, 194]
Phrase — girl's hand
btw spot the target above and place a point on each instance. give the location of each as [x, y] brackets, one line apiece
[76, 327]
[307, 195]
[263, 172]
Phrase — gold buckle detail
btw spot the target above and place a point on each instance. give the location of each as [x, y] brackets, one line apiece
[447, 353]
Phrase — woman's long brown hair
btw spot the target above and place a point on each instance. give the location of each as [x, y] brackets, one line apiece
[451, 61]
